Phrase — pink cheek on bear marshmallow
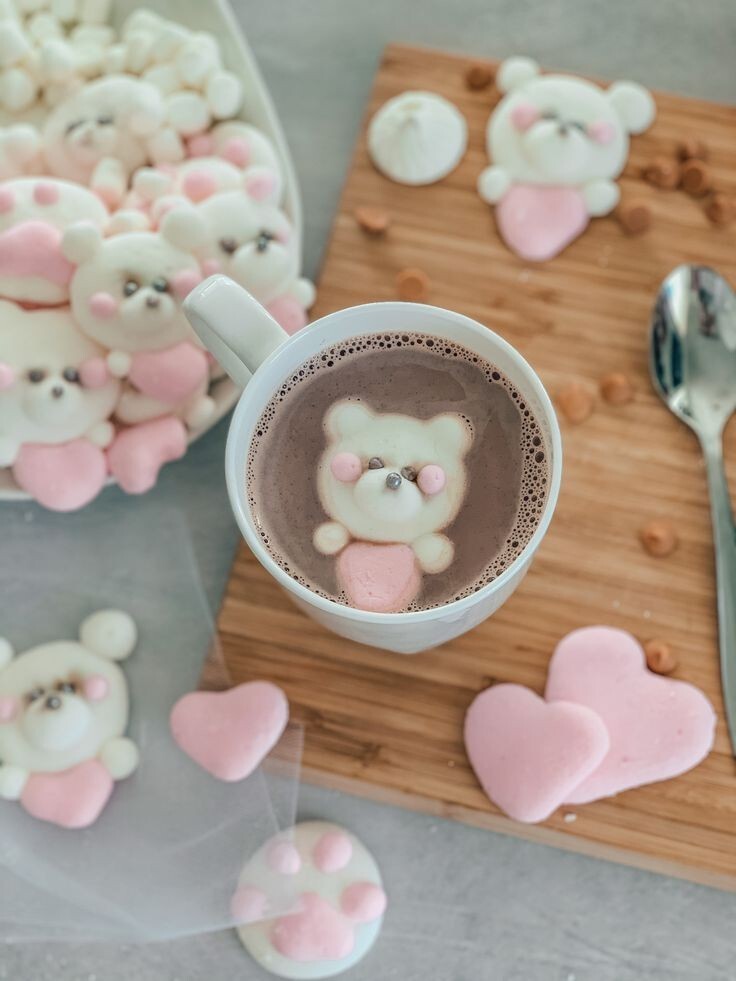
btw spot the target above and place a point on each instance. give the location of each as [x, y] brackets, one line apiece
[346, 467]
[601, 132]
[103, 305]
[7, 376]
[8, 708]
[524, 115]
[96, 688]
[236, 151]
[185, 281]
[431, 479]
[199, 185]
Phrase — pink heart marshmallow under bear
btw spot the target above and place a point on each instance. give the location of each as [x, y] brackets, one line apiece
[658, 727]
[62, 477]
[378, 578]
[229, 733]
[537, 222]
[73, 798]
[529, 755]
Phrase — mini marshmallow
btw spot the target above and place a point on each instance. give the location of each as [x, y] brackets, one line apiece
[224, 94]
[141, 19]
[18, 90]
[89, 58]
[168, 38]
[14, 44]
[55, 93]
[115, 59]
[64, 10]
[188, 113]
[95, 11]
[7, 10]
[138, 51]
[197, 59]
[164, 77]
[30, 6]
[166, 147]
[43, 26]
[93, 34]
[57, 60]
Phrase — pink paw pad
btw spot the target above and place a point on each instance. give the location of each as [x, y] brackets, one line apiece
[248, 905]
[332, 852]
[237, 152]
[284, 858]
[7, 200]
[45, 193]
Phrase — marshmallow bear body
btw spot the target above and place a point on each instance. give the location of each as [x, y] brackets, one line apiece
[63, 715]
[34, 212]
[238, 143]
[126, 294]
[390, 480]
[101, 133]
[56, 397]
[557, 144]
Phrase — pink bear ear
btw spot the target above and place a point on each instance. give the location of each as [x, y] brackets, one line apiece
[185, 281]
[7, 376]
[524, 115]
[346, 467]
[199, 184]
[601, 131]
[96, 688]
[103, 305]
[431, 479]
[93, 373]
[7, 200]
[237, 151]
[8, 708]
[261, 184]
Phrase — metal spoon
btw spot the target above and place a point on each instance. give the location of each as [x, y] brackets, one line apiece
[693, 365]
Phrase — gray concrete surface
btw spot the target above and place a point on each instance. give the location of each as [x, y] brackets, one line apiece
[465, 905]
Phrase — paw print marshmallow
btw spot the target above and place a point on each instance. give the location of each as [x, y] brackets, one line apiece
[557, 143]
[63, 716]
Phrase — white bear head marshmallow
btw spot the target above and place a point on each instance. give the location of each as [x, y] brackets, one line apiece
[62, 702]
[392, 478]
[559, 129]
[127, 290]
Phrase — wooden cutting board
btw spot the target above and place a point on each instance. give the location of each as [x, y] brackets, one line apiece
[389, 727]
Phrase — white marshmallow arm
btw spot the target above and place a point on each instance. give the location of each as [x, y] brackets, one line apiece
[601, 197]
[493, 184]
[13, 780]
[433, 552]
[331, 538]
[120, 757]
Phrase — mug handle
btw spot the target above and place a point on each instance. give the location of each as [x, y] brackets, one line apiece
[233, 326]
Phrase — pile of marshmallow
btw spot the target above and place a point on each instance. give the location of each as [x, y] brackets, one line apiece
[137, 182]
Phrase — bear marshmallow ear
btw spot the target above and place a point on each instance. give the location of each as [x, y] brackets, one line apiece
[6, 652]
[346, 418]
[633, 104]
[109, 633]
[146, 111]
[262, 184]
[183, 227]
[452, 431]
[80, 242]
[515, 72]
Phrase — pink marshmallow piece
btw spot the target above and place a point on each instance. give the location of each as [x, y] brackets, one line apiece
[229, 733]
[260, 185]
[93, 373]
[530, 755]
[315, 932]
[45, 193]
[7, 376]
[346, 467]
[237, 151]
[199, 185]
[248, 904]
[73, 798]
[332, 852]
[201, 145]
[537, 222]
[658, 727]
[96, 688]
[184, 281]
[62, 477]
[431, 479]
[363, 902]
[103, 305]
[524, 115]
[283, 857]
[7, 200]
[137, 454]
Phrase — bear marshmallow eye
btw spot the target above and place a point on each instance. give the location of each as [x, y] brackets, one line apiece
[73, 125]
[408, 473]
[68, 687]
[375, 463]
[581, 126]
[549, 114]
[263, 240]
[105, 120]
[36, 375]
[131, 286]
[35, 693]
[160, 284]
[71, 375]
[228, 245]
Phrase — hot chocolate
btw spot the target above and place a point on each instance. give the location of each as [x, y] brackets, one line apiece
[396, 472]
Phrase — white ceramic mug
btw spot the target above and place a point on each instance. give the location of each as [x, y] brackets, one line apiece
[259, 355]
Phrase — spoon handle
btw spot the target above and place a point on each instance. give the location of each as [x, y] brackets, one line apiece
[724, 540]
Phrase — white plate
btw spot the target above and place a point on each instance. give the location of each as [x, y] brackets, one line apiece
[216, 17]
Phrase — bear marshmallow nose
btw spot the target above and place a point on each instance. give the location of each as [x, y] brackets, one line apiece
[152, 302]
[53, 702]
[393, 481]
[562, 129]
[57, 391]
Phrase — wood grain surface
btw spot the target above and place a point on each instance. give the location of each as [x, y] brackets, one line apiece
[389, 727]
